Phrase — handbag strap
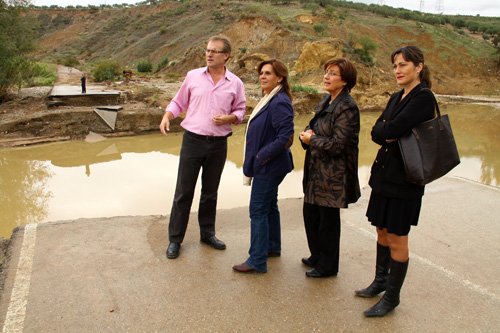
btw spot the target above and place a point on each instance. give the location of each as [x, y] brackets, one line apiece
[435, 103]
[436, 108]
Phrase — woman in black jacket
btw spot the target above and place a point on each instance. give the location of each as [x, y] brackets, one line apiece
[330, 167]
[394, 204]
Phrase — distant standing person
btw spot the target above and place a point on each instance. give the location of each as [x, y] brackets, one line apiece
[83, 79]
[330, 167]
[394, 204]
[213, 98]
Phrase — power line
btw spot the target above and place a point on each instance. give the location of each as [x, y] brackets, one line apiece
[439, 6]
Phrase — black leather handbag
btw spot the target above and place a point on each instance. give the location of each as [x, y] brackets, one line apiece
[429, 151]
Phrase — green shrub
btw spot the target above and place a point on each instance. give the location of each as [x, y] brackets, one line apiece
[106, 70]
[35, 74]
[162, 64]
[70, 61]
[320, 27]
[249, 10]
[17, 35]
[144, 66]
[473, 26]
[459, 23]
[330, 10]
[299, 88]
[181, 9]
[313, 7]
[365, 53]
[61, 20]
[43, 75]
[217, 15]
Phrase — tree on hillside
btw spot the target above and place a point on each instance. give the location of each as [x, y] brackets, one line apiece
[16, 40]
[16, 3]
[368, 47]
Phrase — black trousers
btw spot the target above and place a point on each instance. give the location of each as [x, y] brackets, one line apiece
[197, 152]
[322, 226]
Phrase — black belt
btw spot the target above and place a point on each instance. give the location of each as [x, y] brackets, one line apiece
[208, 138]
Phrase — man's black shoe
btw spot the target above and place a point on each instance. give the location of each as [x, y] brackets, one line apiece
[173, 250]
[214, 242]
[308, 262]
[314, 273]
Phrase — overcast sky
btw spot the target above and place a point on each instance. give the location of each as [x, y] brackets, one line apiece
[452, 7]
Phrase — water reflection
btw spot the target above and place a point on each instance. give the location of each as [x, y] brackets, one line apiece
[477, 132]
[24, 196]
[136, 175]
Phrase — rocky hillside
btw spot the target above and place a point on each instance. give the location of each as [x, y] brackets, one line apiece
[173, 34]
[462, 63]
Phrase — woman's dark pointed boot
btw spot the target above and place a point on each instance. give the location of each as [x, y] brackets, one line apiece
[390, 299]
[379, 284]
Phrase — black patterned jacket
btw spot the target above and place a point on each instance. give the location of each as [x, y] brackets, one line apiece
[331, 162]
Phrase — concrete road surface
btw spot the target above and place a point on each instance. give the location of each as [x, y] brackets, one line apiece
[111, 274]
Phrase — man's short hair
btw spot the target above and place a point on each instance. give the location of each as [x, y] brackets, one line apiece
[227, 43]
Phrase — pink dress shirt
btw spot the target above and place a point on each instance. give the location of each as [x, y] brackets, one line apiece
[202, 100]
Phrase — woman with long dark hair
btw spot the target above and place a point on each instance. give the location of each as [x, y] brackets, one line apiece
[395, 203]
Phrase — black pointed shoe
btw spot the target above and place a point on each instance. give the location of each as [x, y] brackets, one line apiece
[212, 241]
[173, 250]
[314, 273]
[381, 308]
[390, 300]
[308, 262]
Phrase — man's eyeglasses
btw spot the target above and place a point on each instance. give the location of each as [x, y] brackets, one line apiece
[214, 51]
[331, 73]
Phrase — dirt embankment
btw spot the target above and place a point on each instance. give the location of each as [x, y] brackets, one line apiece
[32, 118]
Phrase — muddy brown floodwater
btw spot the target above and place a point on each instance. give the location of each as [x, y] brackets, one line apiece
[136, 175]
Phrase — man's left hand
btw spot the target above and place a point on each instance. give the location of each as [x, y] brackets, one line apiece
[222, 119]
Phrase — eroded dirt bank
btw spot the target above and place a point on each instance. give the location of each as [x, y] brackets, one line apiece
[31, 117]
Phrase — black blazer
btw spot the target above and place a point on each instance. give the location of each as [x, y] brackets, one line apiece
[399, 117]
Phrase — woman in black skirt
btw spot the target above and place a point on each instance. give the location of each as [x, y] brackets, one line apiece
[394, 204]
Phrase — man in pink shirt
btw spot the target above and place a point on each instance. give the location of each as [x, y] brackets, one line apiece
[213, 98]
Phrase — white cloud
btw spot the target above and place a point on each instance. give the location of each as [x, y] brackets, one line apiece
[64, 3]
[462, 7]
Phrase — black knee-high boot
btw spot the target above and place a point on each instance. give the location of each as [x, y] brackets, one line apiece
[390, 299]
[381, 273]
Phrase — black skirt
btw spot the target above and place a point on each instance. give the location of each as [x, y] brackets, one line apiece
[395, 214]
